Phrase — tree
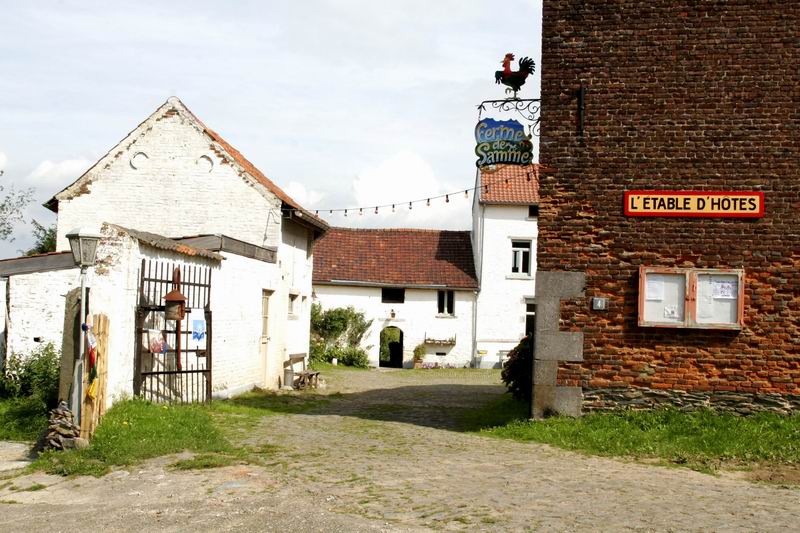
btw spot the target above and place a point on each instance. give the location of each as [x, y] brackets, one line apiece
[517, 370]
[45, 239]
[12, 207]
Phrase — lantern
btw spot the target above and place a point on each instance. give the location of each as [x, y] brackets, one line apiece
[175, 305]
[83, 244]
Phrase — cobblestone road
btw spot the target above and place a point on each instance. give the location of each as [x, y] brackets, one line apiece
[385, 455]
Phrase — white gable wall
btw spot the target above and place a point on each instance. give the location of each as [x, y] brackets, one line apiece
[416, 317]
[179, 187]
[500, 320]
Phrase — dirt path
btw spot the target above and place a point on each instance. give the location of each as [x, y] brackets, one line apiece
[385, 456]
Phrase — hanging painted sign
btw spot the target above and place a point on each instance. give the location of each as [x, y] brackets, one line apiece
[502, 142]
[197, 326]
[694, 204]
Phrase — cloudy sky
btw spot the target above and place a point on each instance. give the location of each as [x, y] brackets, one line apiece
[341, 102]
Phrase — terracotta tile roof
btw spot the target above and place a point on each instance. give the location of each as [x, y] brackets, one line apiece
[510, 184]
[400, 257]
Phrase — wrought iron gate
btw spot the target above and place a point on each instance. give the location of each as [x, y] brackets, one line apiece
[173, 364]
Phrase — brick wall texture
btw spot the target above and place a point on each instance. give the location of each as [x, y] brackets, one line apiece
[680, 95]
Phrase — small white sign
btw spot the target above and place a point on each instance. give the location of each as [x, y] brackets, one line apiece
[654, 290]
[725, 289]
[671, 311]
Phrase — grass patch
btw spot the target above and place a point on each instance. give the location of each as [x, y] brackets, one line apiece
[33, 488]
[134, 430]
[206, 460]
[702, 440]
[22, 419]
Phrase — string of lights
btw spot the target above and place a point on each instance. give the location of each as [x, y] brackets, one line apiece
[409, 204]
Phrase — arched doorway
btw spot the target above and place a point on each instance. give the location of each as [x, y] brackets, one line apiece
[391, 350]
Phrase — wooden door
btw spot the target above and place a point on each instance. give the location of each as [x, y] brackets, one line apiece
[264, 341]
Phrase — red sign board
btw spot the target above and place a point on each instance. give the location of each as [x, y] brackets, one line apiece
[694, 204]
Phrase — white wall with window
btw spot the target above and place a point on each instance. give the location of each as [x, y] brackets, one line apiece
[507, 255]
[443, 317]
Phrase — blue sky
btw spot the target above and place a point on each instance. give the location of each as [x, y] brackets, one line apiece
[342, 103]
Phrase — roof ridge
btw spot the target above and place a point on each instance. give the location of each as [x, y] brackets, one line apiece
[175, 103]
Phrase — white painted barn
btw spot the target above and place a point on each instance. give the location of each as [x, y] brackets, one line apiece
[172, 194]
[467, 296]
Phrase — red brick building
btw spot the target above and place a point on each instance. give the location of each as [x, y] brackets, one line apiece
[679, 96]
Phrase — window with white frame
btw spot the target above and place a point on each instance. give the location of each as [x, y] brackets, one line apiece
[521, 257]
[447, 303]
[292, 305]
[530, 317]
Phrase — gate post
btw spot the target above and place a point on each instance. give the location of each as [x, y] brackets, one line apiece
[552, 346]
[137, 359]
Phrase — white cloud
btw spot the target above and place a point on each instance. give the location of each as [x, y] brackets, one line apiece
[3, 161]
[306, 197]
[49, 175]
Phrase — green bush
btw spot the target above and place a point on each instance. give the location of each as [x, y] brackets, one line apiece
[419, 353]
[337, 333]
[354, 356]
[517, 371]
[33, 376]
[22, 418]
[318, 353]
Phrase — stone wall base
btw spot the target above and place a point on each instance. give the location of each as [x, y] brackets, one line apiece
[642, 398]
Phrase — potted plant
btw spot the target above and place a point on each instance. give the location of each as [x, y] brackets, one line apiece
[419, 355]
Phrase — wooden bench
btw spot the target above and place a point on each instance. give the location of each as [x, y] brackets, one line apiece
[306, 379]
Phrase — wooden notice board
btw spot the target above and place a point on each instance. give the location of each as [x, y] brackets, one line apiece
[93, 409]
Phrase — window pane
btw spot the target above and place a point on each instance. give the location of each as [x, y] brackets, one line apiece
[390, 295]
[441, 302]
[526, 259]
[515, 261]
[717, 298]
[530, 308]
[665, 296]
[450, 303]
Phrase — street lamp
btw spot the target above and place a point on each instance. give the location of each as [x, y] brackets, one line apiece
[83, 244]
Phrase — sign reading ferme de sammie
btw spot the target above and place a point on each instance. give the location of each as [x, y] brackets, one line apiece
[694, 204]
[502, 142]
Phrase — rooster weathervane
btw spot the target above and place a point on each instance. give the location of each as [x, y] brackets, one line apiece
[514, 79]
[526, 109]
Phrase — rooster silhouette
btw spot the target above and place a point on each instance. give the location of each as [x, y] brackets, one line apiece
[514, 79]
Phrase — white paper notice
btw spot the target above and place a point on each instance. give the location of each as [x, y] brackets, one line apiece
[705, 303]
[654, 289]
[725, 289]
[671, 311]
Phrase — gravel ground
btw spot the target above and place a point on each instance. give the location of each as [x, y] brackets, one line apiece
[385, 455]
